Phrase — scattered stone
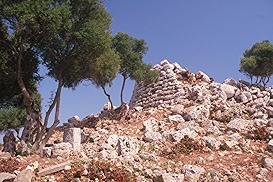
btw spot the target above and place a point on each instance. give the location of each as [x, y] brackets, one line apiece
[61, 149]
[237, 124]
[25, 175]
[212, 143]
[192, 172]
[176, 118]
[5, 155]
[268, 163]
[270, 145]
[7, 177]
[169, 177]
[53, 169]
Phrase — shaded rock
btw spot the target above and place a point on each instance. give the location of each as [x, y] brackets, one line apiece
[47, 151]
[180, 134]
[203, 77]
[178, 109]
[230, 81]
[211, 142]
[270, 145]
[196, 113]
[25, 175]
[229, 145]
[115, 146]
[268, 163]
[9, 143]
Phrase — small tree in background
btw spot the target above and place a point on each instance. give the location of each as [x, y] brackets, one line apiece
[106, 71]
[258, 62]
[131, 52]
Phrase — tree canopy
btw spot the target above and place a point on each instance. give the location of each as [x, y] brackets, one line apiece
[258, 62]
[131, 51]
[68, 37]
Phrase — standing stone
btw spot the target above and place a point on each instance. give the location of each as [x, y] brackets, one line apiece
[9, 143]
[73, 136]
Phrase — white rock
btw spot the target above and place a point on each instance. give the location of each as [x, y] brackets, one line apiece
[238, 124]
[176, 118]
[268, 163]
[192, 172]
[270, 145]
[230, 81]
[229, 90]
[203, 76]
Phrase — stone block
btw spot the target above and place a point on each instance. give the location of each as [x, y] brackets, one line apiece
[73, 136]
[53, 169]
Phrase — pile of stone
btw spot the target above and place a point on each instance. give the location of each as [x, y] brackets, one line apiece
[197, 96]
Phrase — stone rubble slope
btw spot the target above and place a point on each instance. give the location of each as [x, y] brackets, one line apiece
[185, 127]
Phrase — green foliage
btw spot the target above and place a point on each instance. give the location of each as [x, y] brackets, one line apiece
[131, 52]
[12, 118]
[106, 68]
[258, 62]
[80, 36]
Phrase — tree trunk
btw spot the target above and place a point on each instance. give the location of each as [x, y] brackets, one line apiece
[122, 88]
[56, 118]
[33, 117]
[108, 96]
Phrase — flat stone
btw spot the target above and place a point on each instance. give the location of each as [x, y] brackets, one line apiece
[5, 155]
[53, 169]
[25, 175]
[6, 176]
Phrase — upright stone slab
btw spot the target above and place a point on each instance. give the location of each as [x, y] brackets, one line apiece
[73, 136]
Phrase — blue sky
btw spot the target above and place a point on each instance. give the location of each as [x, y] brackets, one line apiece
[206, 35]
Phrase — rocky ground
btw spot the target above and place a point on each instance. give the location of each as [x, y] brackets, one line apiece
[207, 132]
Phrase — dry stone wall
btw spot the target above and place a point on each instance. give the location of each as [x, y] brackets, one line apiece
[198, 97]
[168, 91]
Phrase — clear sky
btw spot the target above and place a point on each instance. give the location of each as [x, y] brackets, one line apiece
[206, 35]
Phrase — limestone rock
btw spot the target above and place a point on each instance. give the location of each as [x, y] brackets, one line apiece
[203, 76]
[6, 176]
[268, 163]
[230, 81]
[151, 136]
[237, 124]
[211, 142]
[61, 149]
[176, 118]
[192, 172]
[169, 177]
[73, 136]
[270, 145]
[150, 125]
[229, 90]
[25, 175]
